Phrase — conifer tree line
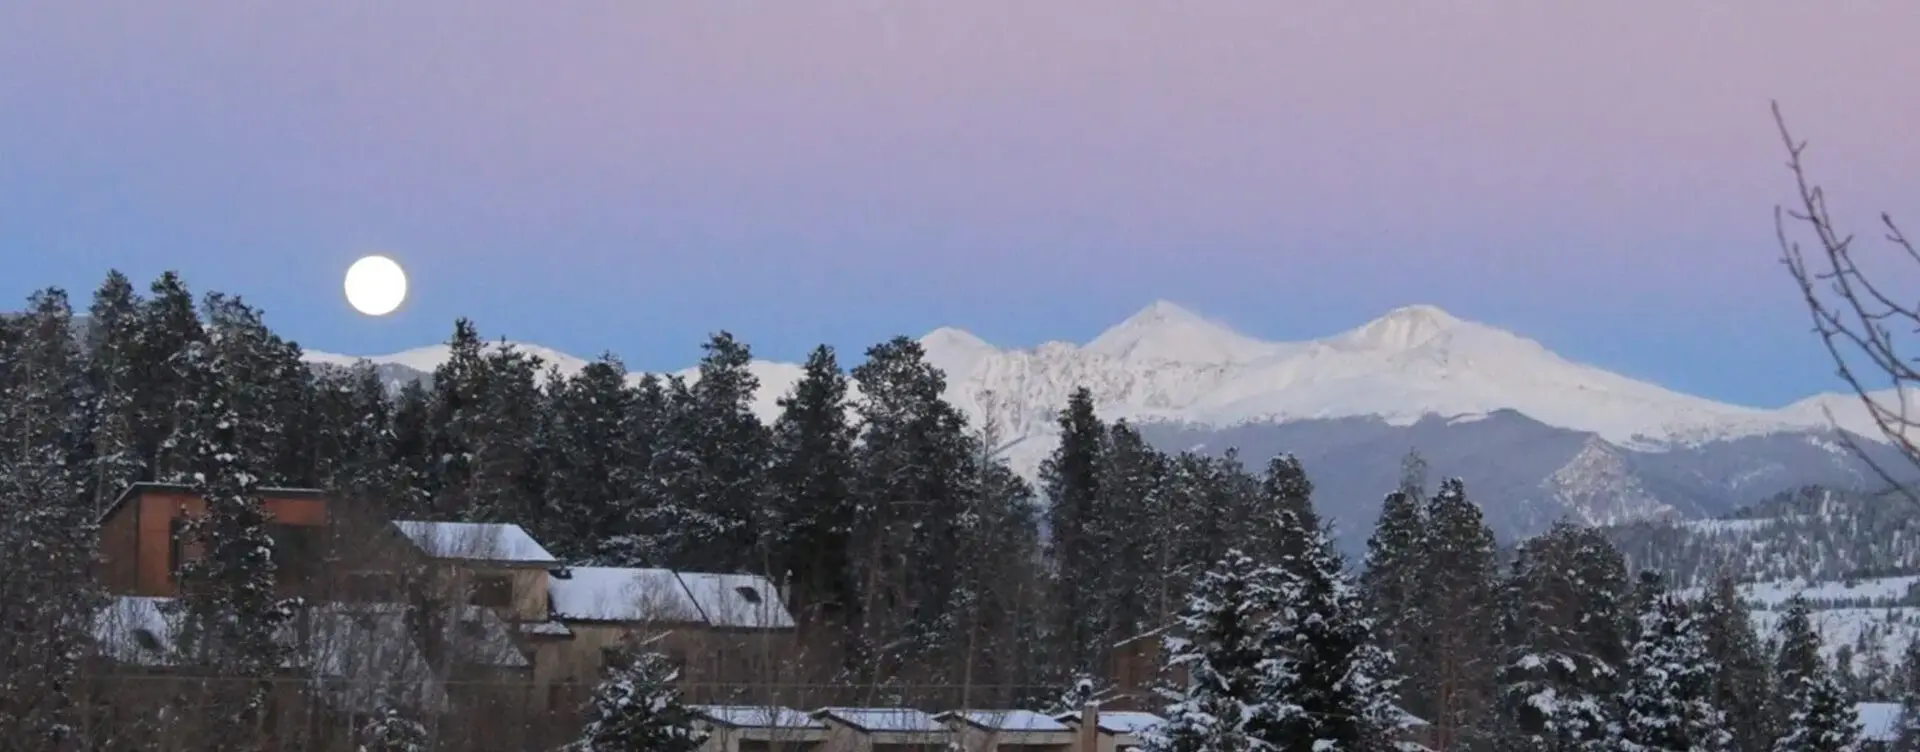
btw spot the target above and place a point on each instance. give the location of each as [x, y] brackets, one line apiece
[910, 553]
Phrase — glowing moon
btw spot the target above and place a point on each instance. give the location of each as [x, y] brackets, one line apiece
[376, 286]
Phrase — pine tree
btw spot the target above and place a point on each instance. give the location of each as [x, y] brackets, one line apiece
[1453, 668]
[811, 478]
[1669, 680]
[712, 467]
[1324, 684]
[228, 614]
[455, 422]
[47, 527]
[1070, 480]
[1218, 650]
[410, 455]
[1817, 716]
[505, 480]
[1281, 520]
[1562, 619]
[390, 730]
[1907, 686]
[1389, 584]
[113, 362]
[169, 331]
[635, 707]
[1743, 683]
[915, 481]
[1133, 487]
[594, 472]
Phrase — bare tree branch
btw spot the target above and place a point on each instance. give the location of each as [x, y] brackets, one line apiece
[1855, 317]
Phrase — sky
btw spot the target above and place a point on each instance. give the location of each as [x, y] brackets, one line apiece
[606, 175]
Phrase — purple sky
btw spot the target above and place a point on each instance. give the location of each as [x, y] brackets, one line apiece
[630, 176]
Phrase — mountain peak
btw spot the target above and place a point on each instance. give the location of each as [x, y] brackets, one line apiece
[1165, 331]
[1405, 328]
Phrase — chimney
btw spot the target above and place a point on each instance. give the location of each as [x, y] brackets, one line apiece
[1089, 727]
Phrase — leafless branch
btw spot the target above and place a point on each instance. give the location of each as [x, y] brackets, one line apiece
[1856, 318]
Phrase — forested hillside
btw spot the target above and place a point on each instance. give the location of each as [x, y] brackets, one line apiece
[913, 558]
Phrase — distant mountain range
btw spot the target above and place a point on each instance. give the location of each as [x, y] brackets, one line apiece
[1536, 436]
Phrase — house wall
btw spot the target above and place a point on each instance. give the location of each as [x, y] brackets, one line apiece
[118, 560]
[710, 659]
[529, 602]
[152, 515]
[975, 739]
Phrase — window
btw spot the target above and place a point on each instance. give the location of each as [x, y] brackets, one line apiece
[491, 591]
[748, 594]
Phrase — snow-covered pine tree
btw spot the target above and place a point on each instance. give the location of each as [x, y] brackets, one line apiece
[1215, 661]
[167, 399]
[455, 421]
[390, 730]
[1413, 475]
[411, 458]
[1389, 584]
[505, 480]
[1907, 688]
[48, 598]
[1457, 604]
[1070, 481]
[1133, 493]
[1561, 623]
[636, 707]
[1743, 683]
[811, 488]
[1816, 714]
[593, 461]
[228, 615]
[114, 461]
[1324, 684]
[711, 466]
[1667, 702]
[1280, 517]
[915, 479]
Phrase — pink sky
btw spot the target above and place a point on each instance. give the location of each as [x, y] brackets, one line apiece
[1596, 175]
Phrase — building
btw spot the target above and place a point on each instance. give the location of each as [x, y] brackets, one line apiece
[1119, 730]
[724, 631]
[755, 728]
[141, 549]
[882, 730]
[1007, 731]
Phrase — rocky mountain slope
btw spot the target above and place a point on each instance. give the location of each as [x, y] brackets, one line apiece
[1537, 436]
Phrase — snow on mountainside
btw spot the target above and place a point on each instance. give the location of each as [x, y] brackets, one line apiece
[1167, 364]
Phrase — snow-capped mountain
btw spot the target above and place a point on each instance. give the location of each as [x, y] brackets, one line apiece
[1621, 448]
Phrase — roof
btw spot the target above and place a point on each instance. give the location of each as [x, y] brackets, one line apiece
[1007, 720]
[1118, 722]
[746, 601]
[758, 717]
[371, 647]
[1879, 721]
[622, 594]
[883, 720]
[502, 543]
[145, 487]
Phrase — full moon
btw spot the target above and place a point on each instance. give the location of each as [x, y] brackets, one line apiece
[376, 286]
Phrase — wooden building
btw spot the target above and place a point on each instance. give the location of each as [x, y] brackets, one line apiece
[757, 728]
[724, 631]
[1119, 730]
[883, 730]
[141, 549]
[1007, 731]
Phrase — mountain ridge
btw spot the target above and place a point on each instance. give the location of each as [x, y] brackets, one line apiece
[1546, 437]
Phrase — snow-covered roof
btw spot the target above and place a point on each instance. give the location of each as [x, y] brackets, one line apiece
[367, 647]
[738, 600]
[476, 541]
[726, 601]
[1879, 721]
[883, 720]
[1119, 722]
[622, 594]
[1006, 720]
[758, 716]
[544, 629]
